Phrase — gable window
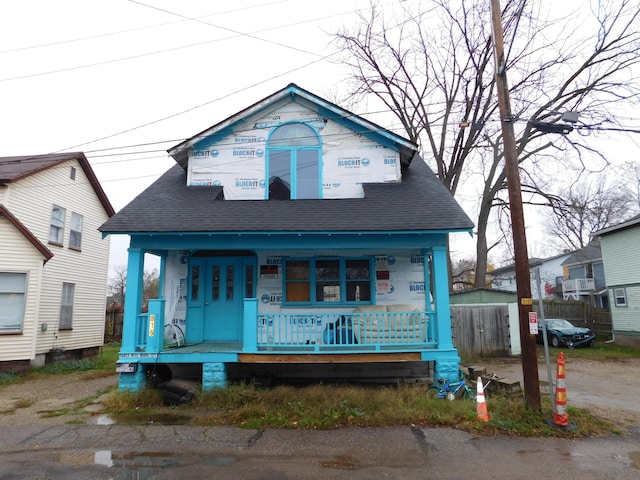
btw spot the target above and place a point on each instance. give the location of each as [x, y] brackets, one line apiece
[56, 232]
[293, 162]
[75, 237]
[66, 307]
[13, 292]
[620, 297]
[327, 281]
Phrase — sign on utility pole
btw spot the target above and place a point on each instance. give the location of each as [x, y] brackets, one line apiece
[523, 275]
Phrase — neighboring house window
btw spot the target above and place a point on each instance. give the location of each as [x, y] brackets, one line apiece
[13, 292]
[327, 281]
[56, 232]
[72, 174]
[66, 309]
[293, 163]
[75, 237]
[620, 297]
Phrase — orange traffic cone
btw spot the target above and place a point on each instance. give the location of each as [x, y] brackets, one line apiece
[561, 418]
[481, 403]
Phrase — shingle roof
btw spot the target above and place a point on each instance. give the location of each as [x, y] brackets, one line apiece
[419, 203]
[586, 254]
[14, 169]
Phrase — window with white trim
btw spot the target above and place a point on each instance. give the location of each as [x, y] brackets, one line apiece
[66, 307]
[75, 235]
[620, 296]
[293, 162]
[13, 293]
[56, 231]
[327, 282]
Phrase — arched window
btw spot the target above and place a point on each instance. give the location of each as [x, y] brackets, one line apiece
[293, 162]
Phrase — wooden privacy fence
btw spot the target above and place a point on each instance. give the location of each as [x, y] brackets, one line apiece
[113, 323]
[483, 330]
[580, 314]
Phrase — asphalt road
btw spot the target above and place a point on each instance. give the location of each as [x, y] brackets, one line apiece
[162, 452]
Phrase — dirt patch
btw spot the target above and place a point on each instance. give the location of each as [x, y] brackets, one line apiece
[55, 399]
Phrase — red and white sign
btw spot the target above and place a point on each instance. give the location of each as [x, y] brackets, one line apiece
[533, 323]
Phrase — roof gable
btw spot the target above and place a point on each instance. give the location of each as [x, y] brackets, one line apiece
[48, 254]
[13, 169]
[328, 110]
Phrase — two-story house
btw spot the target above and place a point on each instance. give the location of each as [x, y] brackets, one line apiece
[551, 276]
[621, 257]
[584, 277]
[53, 260]
[292, 232]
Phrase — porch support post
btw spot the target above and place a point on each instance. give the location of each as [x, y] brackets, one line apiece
[441, 297]
[447, 362]
[155, 341]
[132, 299]
[214, 375]
[427, 280]
[250, 326]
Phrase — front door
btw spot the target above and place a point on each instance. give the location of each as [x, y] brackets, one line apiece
[222, 287]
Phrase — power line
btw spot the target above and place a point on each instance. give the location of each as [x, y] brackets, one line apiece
[130, 30]
[197, 44]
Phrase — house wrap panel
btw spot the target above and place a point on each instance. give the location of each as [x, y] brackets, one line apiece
[348, 159]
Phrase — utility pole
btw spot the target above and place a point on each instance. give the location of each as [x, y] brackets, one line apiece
[523, 275]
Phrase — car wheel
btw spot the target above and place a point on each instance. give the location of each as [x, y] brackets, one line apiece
[555, 341]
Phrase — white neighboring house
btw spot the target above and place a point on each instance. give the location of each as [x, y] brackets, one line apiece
[551, 275]
[620, 246]
[53, 260]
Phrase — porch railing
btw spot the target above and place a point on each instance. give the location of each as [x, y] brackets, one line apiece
[578, 286]
[350, 331]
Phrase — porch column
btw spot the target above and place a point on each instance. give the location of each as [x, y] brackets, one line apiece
[132, 299]
[250, 325]
[447, 361]
[441, 298]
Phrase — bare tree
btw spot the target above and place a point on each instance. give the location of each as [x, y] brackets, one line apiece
[431, 66]
[584, 209]
[118, 284]
[463, 274]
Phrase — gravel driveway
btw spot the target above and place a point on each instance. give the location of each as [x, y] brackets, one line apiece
[608, 389]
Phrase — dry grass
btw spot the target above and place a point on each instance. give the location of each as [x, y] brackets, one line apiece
[335, 406]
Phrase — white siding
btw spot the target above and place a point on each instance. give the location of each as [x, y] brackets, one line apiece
[20, 256]
[31, 202]
[621, 256]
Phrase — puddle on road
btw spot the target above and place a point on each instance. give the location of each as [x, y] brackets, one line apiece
[140, 419]
[140, 466]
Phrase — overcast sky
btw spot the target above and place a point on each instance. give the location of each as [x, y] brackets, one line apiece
[115, 77]
[123, 81]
